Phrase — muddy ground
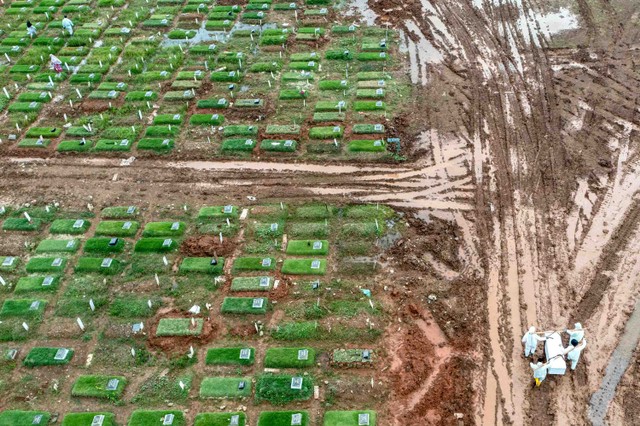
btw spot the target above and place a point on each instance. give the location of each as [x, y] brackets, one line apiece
[522, 184]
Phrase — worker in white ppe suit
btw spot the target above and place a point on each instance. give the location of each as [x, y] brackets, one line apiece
[530, 340]
[539, 371]
[577, 333]
[67, 25]
[574, 351]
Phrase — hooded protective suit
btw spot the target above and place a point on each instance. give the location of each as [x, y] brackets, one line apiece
[530, 340]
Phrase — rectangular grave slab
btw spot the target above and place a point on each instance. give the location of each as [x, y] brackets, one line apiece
[106, 262]
[235, 420]
[317, 245]
[315, 264]
[264, 281]
[296, 419]
[168, 419]
[266, 262]
[56, 262]
[241, 385]
[296, 383]
[71, 244]
[37, 419]
[167, 242]
[78, 224]
[8, 261]
[34, 305]
[257, 303]
[245, 353]
[363, 419]
[112, 384]
[98, 420]
[47, 281]
[11, 354]
[228, 209]
[61, 354]
[131, 210]
[137, 327]
[113, 241]
[303, 354]
[127, 225]
[274, 227]
[175, 226]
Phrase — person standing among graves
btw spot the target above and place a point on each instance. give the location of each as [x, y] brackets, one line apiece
[530, 340]
[539, 371]
[31, 29]
[56, 63]
[573, 352]
[67, 25]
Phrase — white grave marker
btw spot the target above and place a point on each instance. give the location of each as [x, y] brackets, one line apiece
[265, 281]
[57, 262]
[106, 262]
[47, 281]
[296, 383]
[8, 261]
[317, 245]
[112, 384]
[61, 354]
[98, 419]
[266, 262]
[245, 353]
[303, 354]
[315, 264]
[175, 226]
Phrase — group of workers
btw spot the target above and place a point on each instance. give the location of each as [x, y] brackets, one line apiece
[577, 343]
[67, 24]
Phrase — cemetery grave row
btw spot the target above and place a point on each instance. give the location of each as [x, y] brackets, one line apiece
[56, 297]
[178, 77]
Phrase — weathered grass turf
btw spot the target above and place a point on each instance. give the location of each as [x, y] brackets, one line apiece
[19, 418]
[201, 265]
[281, 418]
[347, 418]
[308, 247]
[85, 419]
[243, 305]
[304, 267]
[276, 389]
[179, 327]
[58, 246]
[219, 419]
[152, 418]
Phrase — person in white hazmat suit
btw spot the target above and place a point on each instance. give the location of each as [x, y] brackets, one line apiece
[577, 333]
[539, 371]
[574, 351]
[530, 340]
[67, 25]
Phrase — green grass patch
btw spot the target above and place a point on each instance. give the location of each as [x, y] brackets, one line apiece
[244, 305]
[315, 211]
[141, 96]
[86, 419]
[367, 145]
[202, 265]
[219, 419]
[214, 212]
[238, 145]
[37, 283]
[289, 357]
[368, 129]
[46, 264]
[304, 267]
[8, 263]
[349, 418]
[20, 418]
[156, 144]
[309, 230]
[75, 146]
[308, 247]
[117, 228]
[282, 129]
[369, 106]
[21, 224]
[333, 85]
[98, 265]
[254, 264]
[69, 226]
[229, 356]
[168, 119]
[104, 245]
[179, 327]
[164, 229]
[326, 132]
[152, 418]
[276, 389]
[219, 103]
[240, 130]
[23, 308]
[34, 143]
[156, 245]
[206, 119]
[58, 246]
[104, 145]
[225, 387]
[252, 284]
[161, 131]
[278, 145]
[40, 356]
[226, 76]
[282, 418]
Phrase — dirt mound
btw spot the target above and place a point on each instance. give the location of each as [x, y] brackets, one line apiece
[416, 354]
[174, 344]
[450, 393]
[207, 245]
